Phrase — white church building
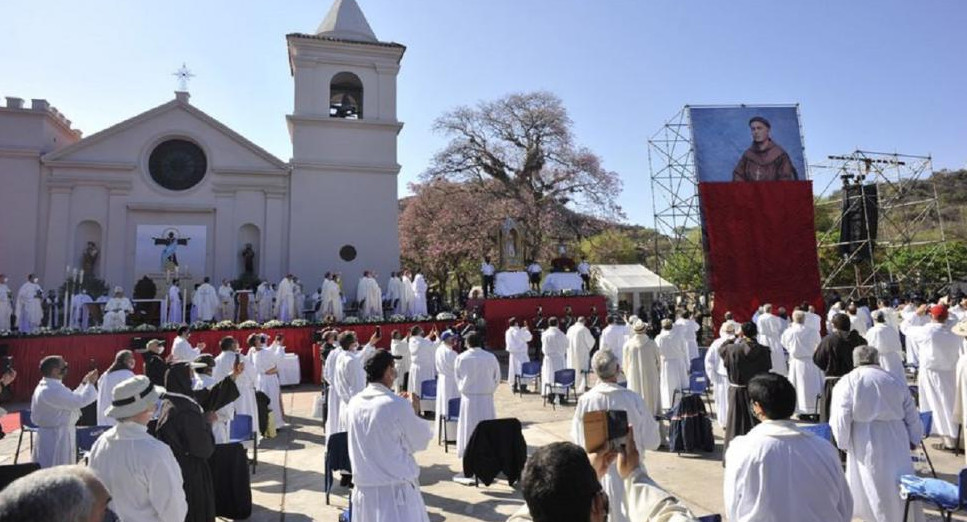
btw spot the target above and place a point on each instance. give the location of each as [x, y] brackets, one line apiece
[173, 180]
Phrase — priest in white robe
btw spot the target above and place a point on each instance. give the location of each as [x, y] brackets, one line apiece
[116, 311]
[686, 327]
[369, 296]
[407, 296]
[886, 340]
[181, 349]
[285, 306]
[642, 366]
[331, 299]
[333, 422]
[813, 320]
[264, 297]
[121, 370]
[812, 484]
[29, 309]
[516, 338]
[419, 295]
[224, 367]
[266, 361]
[226, 298]
[80, 313]
[392, 295]
[349, 378]
[554, 345]
[6, 305]
[912, 320]
[399, 347]
[607, 395]
[445, 359]
[674, 364]
[770, 334]
[939, 350]
[175, 306]
[246, 382]
[422, 360]
[960, 401]
[384, 431]
[875, 421]
[801, 343]
[718, 375]
[55, 409]
[579, 345]
[856, 320]
[613, 337]
[478, 374]
[206, 302]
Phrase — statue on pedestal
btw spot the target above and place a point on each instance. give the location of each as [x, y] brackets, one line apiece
[248, 260]
[89, 258]
[510, 246]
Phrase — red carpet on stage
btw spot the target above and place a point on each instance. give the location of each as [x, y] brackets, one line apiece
[81, 350]
[761, 246]
[497, 312]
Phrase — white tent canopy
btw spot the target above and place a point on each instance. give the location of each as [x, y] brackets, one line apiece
[629, 282]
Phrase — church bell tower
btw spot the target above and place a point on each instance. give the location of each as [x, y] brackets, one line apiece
[343, 187]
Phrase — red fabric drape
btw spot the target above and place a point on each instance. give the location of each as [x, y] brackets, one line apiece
[761, 246]
[497, 311]
[79, 350]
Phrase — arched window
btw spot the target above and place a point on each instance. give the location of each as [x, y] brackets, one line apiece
[346, 96]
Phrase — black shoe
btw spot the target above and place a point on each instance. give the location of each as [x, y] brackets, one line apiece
[346, 481]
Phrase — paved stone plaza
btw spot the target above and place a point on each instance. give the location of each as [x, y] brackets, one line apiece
[288, 484]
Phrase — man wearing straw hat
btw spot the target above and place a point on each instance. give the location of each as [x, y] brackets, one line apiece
[139, 470]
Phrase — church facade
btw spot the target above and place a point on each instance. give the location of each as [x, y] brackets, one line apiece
[174, 192]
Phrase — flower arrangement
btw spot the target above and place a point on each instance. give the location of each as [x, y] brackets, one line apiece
[299, 322]
[170, 326]
[351, 320]
[224, 325]
[200, 326]
[397, 318]
[248, 324]
[145, 328]
[445, 316]
[274, 323]
[95, 330]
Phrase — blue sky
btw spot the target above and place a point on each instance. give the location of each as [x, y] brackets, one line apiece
[884, 75]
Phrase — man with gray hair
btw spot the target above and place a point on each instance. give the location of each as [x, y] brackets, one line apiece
[55, 409]
[57, 494]
[875, 421]
[607, 395]
[801, 342]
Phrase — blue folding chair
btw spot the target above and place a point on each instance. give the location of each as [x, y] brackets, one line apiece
[563, 384]
[337, 458]
[452, 415]
[26, 426]
[530, 373]
[241, 429]
[926, 418]
[697, 385]
[823, 431]
[428, 396]
[948, 497]
[697, 365]
[85, 438]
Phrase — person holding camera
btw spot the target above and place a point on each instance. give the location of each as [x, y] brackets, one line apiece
[55, 409]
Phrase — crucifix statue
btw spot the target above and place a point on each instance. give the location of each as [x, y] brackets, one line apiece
[183, 75]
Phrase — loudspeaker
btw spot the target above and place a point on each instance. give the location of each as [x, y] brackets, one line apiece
[859, 225]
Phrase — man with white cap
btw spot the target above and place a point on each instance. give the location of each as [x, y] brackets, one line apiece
[139, 470]
[55, 409]
[117, 310]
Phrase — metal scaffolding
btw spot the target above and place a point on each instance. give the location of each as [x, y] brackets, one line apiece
[909, 219]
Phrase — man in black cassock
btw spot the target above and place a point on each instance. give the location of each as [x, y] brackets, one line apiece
[743, 358]
[834, 356]
[155, 366]
[184, 425]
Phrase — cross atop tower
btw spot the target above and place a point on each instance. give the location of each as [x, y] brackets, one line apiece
[183, 75]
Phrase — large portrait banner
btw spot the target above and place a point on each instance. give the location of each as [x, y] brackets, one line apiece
[747, 143]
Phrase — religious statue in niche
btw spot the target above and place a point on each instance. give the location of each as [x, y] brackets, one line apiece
[89, 258]
[169, 255]
[248, 260]
[510, 245]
